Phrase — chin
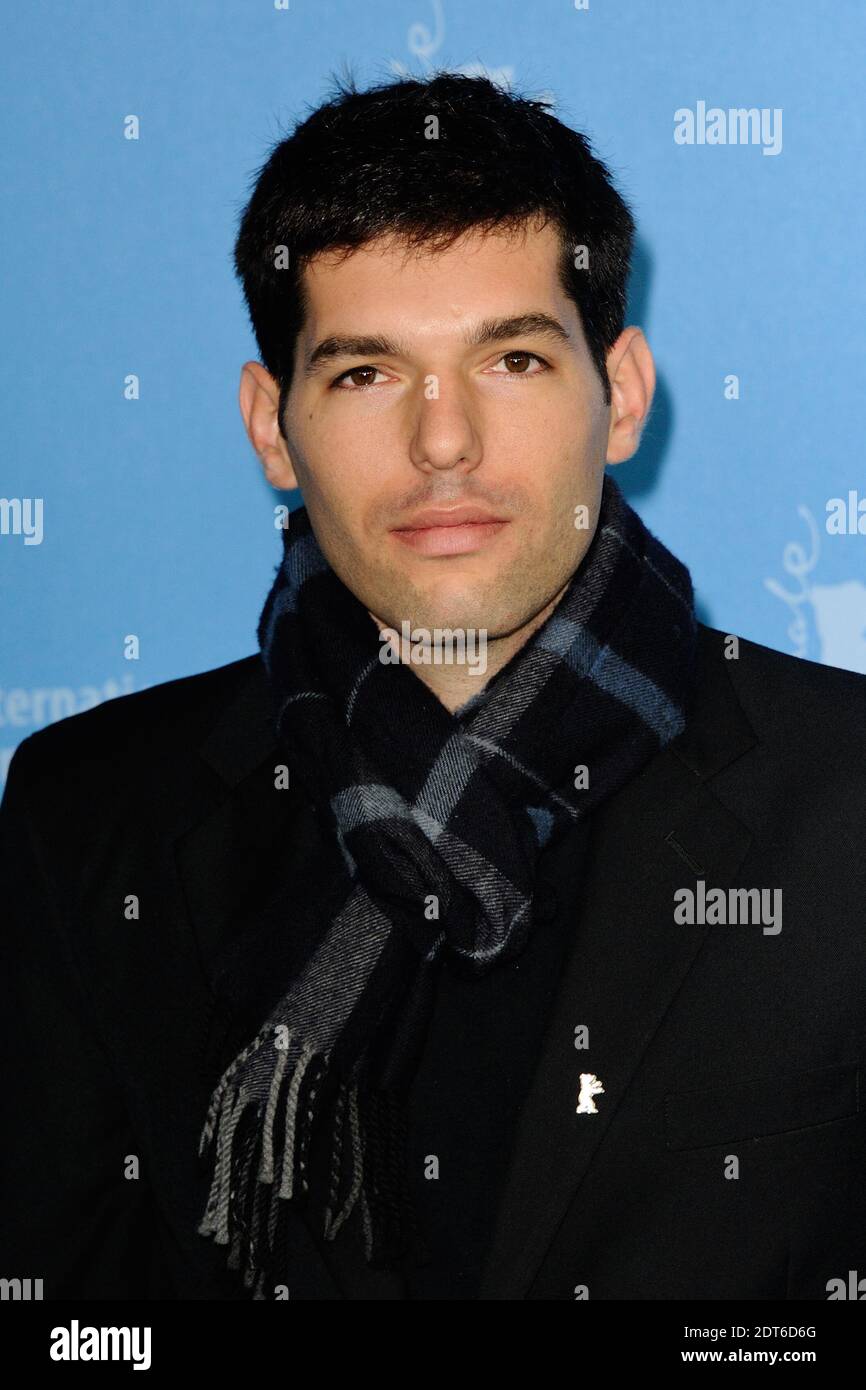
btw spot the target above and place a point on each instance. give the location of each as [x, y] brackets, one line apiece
[450, 609]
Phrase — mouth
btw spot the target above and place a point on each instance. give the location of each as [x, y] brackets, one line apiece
[455, 532]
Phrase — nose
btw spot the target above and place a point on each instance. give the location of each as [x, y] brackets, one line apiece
[445, 437]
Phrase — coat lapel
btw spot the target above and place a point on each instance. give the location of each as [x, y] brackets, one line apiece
[665, 830]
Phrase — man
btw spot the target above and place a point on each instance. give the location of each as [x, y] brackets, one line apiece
[496, 929]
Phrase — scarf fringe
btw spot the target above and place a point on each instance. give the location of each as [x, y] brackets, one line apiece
[347, 1140]
[249, 1181]
[389, 1217]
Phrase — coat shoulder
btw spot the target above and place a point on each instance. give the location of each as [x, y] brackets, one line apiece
[124, 738]
[788, 700]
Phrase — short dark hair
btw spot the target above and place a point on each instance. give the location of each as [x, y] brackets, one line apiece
[362, 166]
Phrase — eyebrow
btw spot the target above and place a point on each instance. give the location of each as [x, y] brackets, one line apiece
[536, 324]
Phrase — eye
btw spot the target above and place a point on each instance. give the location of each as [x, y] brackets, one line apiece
[516, 358]
[337, 383]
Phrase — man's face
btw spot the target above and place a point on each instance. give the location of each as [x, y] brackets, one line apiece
[441, 472]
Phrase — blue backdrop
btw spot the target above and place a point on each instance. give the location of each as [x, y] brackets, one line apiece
[149, 516]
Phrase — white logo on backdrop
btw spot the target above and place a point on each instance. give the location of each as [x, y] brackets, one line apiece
[423, 43]
[838, 611]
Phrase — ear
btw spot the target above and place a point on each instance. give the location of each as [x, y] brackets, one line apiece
[259, 400]
[632, 376]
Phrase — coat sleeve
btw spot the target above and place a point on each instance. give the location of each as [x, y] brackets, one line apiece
[68, 1214]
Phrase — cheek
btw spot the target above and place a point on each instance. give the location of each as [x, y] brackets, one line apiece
[336, 474]
[569, 479]
[343, 451]
[569, 510]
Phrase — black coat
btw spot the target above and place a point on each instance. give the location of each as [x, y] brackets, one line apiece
[711, 1041]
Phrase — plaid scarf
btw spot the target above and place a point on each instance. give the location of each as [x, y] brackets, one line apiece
[440, 817]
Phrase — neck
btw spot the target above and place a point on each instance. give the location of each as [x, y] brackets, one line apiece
[456, 683]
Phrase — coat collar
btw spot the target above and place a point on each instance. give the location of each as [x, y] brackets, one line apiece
[659, 833]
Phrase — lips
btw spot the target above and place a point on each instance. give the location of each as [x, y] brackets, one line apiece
[450, 516]
[454, 531]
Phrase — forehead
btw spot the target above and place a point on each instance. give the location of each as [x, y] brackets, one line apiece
[494, 269]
